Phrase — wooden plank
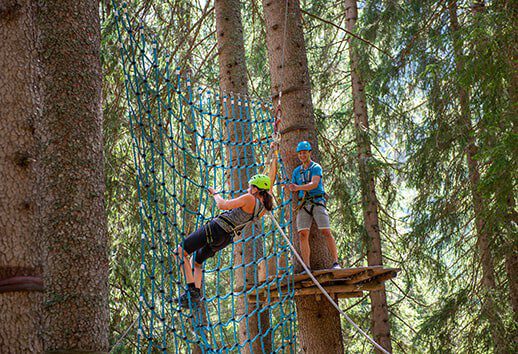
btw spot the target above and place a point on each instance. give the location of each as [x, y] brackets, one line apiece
[333, 278]
[379, 278]
[322, 279]
[319, 296]
[349, 295]
[345, 275]
[359, 277]
[385, 276]
[374, 274]
[283, 283]
[337, 273]
[335, 289]
[273, 279]
[381, 270]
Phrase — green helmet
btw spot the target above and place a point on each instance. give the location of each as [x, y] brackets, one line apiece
[260, 181]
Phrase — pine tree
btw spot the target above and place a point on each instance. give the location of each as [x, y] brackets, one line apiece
[20, 255]
[449, 87]
[484, 234]
[370, 203]
[73, 221]
[319, 322]
[233, 82]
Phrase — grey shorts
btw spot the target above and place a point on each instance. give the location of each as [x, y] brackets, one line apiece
[320, 216]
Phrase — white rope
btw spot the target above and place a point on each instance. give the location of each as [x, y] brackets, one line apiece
[322, 289]
[124, 335]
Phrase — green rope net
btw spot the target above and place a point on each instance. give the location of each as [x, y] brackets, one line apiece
[184, 140]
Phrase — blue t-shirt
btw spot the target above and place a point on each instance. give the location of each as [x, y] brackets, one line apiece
[302, 176]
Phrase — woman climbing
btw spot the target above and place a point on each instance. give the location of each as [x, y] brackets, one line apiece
[219, 232]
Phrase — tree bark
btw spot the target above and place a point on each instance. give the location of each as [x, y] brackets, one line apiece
[511, 257]
[370, 204]
[511, 267]
[232, 73]
[483, 232]
[73, 222]
[231, 46]
[20, 251]
[318, 321]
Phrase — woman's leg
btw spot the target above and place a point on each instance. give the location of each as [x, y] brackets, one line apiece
[194, 242]
[222, 240]
[182, 256]
[197, 274]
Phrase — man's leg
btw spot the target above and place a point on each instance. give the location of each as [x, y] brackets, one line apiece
[331, 244]
[322, 219]
[304, 246]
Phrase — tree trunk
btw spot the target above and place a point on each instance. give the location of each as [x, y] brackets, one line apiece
[511, 267]
[232, 73]
[511, 257]
[73, 222]
[318, 321]
[483, 232]
[379, 310]
[20, 251]
[231, 46]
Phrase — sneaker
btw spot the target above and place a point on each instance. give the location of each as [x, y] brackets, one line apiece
[303, 272]
[194, 294]
[336, 265]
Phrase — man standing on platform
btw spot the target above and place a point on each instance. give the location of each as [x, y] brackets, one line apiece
[307, 181]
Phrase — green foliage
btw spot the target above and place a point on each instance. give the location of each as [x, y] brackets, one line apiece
[419, 138]
[437, 136]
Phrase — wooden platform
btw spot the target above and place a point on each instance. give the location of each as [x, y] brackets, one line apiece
[339, 283]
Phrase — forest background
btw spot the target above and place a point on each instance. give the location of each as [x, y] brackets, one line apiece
[426, 142]
[440, 83]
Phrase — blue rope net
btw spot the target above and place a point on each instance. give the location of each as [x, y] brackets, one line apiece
[185, 139]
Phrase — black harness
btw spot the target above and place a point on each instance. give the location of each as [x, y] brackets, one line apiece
[311, 200]
[236, 229]
[213, 243]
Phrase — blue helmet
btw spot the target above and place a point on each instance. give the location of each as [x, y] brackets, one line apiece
[304, 146]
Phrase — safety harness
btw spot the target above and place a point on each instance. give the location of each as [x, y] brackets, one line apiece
[311, 200]
[236, 229]
[307, 197]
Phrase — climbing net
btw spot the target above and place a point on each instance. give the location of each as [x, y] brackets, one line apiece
[185, 139]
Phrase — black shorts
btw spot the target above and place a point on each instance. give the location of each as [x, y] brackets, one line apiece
[206, 241]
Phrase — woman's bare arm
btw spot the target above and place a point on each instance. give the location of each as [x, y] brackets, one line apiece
[227, 204]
